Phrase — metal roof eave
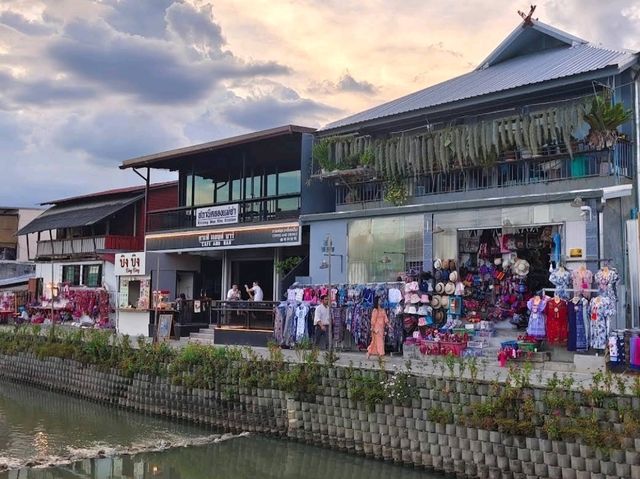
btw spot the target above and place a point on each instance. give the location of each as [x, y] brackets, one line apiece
[477, 100]
[149, 160]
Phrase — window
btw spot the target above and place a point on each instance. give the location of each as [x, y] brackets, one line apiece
[133, 293]
[289, 182]
[92, 275]
[71, 274]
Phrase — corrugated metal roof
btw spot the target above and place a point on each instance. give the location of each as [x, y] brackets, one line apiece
[517, 72]
[75, 216]
[114, 192]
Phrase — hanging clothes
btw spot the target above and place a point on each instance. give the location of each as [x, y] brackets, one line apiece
[301, 322]
[606, 280]
[557, 319]
[634, 351]
[578, 325]
[582, 279]
[561, 279]
[278, 322]
[602, 311]
[537, 317]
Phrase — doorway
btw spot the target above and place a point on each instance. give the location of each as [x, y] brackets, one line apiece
[184, 284]
[247, 271]
[211, 278]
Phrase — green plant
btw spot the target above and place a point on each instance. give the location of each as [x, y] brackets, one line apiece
[450, 361]
[330, 358]
[367, 157]
[604, 118]
[286, 265]
[395, 191]
[472, 364]
[321, 155]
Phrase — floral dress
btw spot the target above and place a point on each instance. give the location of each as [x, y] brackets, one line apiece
[561, 279]
[537, 317]
[606, 279]
[602, 310]
[582, 279]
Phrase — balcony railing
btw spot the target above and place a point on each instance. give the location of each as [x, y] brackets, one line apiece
[250, 211]
[517, 171]
[88, 246]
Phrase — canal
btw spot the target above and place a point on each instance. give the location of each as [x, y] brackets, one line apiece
[59, 436]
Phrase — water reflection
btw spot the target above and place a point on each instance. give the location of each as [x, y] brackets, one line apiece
[241, 458]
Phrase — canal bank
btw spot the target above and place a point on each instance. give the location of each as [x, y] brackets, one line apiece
[471, 427]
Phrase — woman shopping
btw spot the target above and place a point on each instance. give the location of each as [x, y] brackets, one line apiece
[379, 322]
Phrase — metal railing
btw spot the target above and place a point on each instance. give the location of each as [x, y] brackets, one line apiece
[555, 165]
[250, 211]
[87, 245]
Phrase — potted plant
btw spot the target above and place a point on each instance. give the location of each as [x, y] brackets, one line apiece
[395, 191]
[604, 118]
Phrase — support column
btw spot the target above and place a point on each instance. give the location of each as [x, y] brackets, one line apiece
[277, 294]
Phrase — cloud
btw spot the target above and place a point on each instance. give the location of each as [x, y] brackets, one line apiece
[345, 84]
[110, 137]
[196, 28]
[145, 18]
[20, 91]
[276, 105]
[19, 23]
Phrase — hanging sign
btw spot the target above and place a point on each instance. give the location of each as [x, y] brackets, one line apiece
[129, 264]
[217, 215]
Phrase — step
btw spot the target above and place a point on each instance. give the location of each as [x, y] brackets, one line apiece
[201, 335]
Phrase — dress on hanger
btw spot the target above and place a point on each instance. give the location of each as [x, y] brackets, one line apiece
[582, 279]
[557, 318]
[537, 318]
[602, 310]
[606, 279]
[578, 332]
[561, 279]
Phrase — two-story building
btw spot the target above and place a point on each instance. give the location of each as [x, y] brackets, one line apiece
[240, 200]
[500, 154]
[77, 238]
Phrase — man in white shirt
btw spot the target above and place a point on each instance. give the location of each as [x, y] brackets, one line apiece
[255, 292]
[234, 293]
[321, 320]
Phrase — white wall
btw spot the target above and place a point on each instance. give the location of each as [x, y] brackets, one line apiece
[25, 216]
[45, 270]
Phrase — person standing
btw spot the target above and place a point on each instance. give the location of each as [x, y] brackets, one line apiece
[379, 321]
[234, 293]
[321, 320]
[255, 292]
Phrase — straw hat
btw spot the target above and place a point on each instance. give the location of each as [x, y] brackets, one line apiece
[440, 288]
[444, 302]
[435, 301]
[521, 267]
[445, 264]
[437, 263]
[450, 288]
[439, 316]
[452, 264]
[453, 276]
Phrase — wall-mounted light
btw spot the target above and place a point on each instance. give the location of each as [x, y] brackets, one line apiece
[577, 202]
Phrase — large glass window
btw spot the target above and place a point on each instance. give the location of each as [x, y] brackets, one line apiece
[92, 275]
[71, 274]
[380, 249]
[222, 192]
[236, 190]
[289, 182]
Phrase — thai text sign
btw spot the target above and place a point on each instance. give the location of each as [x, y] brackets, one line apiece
[217, 215]
[129, 264]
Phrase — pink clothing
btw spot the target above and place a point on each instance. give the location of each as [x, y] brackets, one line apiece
[379, 321]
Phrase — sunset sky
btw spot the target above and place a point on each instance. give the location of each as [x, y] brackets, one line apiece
[87, 84]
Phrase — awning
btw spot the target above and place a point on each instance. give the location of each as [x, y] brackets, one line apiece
[76, 216]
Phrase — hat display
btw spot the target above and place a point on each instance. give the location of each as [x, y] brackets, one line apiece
[424, 299]
[453, 276]
[521, 267]
[435, 301]
[424, 310]
[407, 297]
[439, 316]
[450, 288]
[440, 288]
[452, 264]
[437, 264]
[410, 310]
[445, 264]
[444, 302]
[413, 286]
[415, 299]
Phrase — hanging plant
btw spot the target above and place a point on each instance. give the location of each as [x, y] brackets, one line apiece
[604, 118]
[320, 155]
[395, 191]
[367, 158]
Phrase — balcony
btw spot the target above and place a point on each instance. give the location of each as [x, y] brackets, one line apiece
[88, 246]
[507, 172]
[258, 210]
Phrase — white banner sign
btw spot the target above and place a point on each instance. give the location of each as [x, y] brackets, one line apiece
[129, 264]
[217, 215]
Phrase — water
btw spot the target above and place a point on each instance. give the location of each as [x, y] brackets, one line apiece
[65, 437]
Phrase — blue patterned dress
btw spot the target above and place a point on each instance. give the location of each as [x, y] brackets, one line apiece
[602, 310]
[561, 279]
[537, 318]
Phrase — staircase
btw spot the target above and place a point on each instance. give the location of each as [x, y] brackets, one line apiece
[232, 337]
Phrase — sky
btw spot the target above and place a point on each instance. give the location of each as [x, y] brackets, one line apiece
[87, 84]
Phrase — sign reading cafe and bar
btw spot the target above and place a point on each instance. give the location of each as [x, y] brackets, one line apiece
[129, 264]
[239, 237]
[217, 215]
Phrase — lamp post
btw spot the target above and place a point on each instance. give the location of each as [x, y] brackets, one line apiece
[328, 251]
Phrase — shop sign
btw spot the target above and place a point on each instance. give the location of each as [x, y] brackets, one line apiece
[129, 264]
[217, 215]
[272, 236]
[575, 253]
